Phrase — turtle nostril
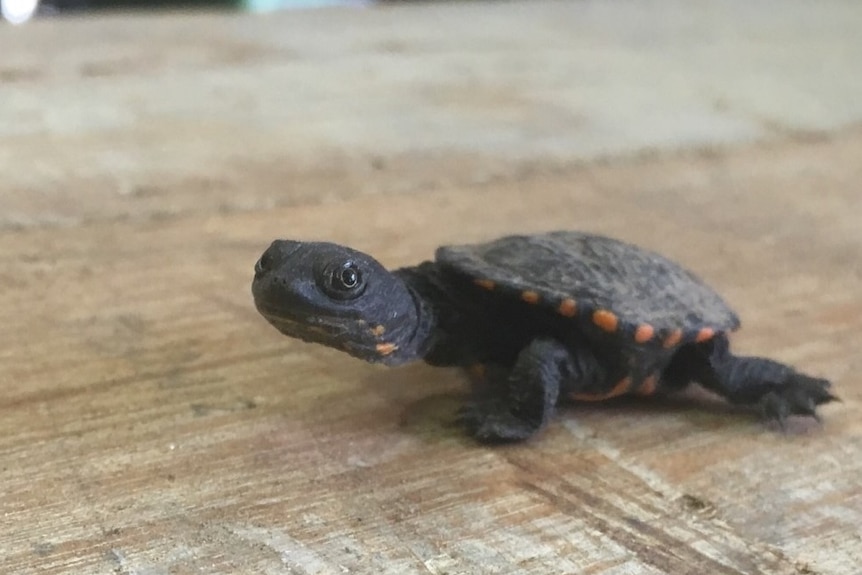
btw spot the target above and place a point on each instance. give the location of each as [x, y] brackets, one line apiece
[278, 252]
[264, 263]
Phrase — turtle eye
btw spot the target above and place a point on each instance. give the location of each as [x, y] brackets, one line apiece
[348, 277]
[344, 281]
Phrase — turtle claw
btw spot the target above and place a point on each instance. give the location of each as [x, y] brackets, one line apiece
[800, 395]
[490, 421]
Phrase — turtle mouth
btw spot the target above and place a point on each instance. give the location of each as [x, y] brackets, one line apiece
[298, 324]
[341, 334]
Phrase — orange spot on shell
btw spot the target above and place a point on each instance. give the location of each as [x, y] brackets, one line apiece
[705, 334]
[530, 296]
[487, 284]
[673, 338]
[378, 330]
[606, 320]
[648, 386]
[385, 348]
[644, 333]
[568, 308]
[620, 388]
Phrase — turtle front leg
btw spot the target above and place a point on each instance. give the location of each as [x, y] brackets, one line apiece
[523, 403]
[778, 389]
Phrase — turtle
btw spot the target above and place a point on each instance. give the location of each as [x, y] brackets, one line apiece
[536, 319]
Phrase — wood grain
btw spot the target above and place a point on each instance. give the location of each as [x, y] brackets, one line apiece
[153, 423]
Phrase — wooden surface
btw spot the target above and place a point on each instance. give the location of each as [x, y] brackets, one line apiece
[153, 423]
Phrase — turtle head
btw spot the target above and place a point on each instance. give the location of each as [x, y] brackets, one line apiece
[338, 297]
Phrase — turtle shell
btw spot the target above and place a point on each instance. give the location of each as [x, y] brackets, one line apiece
[614, 286]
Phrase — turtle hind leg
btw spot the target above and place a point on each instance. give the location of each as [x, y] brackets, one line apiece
[778, 389]
[524, 401]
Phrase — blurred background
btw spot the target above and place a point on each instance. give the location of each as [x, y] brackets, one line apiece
[20, 11]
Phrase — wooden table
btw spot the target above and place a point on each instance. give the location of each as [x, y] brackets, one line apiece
[153, 423]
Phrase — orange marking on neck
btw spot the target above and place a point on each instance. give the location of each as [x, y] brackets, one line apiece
[619, 389]
[568, 308]
[644, 333]
[705, 334]
[487, 284]
[385, 348]
[477, 371]
[648, 386]
[673, 338]
[530, 296]
[605, 320]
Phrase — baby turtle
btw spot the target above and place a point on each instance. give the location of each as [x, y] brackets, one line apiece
[539, 318]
